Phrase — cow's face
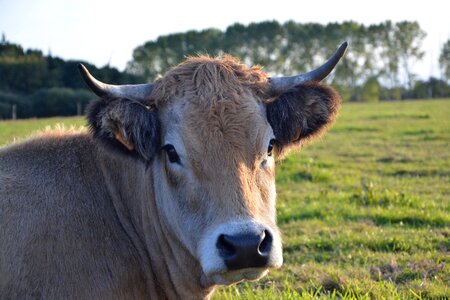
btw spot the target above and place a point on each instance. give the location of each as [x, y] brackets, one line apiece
[211, 135]
[216, 175]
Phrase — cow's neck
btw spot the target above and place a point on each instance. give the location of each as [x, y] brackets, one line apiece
[171, 272]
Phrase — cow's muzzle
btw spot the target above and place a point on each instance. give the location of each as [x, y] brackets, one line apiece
[239, 250]
[248, 250]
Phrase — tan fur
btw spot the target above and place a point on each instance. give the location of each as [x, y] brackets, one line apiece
[46, 227]
[79, 221]
[127, 143]
[223, 77]
[223, 124]
[53, 219]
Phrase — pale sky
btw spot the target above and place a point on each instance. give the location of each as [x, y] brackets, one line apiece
[107, 31]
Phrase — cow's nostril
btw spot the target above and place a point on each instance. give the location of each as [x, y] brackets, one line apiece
[266, 243]
[226, 248]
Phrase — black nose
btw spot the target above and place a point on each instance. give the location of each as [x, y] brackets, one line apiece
[249, 250]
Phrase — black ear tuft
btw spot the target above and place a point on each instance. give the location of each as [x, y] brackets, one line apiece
[302, 114]
[125, 126]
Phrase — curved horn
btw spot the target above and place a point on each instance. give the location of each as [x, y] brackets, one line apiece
[279, 85]
[139, 92]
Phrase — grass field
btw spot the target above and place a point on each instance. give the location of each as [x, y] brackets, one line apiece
[11, 131]
[364, 212]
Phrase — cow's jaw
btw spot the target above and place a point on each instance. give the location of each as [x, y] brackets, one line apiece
[232, 277]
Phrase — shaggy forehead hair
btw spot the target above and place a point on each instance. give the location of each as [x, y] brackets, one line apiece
[222, 107]
[213, 78]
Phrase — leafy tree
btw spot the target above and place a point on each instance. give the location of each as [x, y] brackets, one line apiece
[444, 61]
[23, 105]
[371, 90]
[58, 101]
[432, 88]
[386, 51]
[45, 85]
[156, 57]
[5, 111]
[409, 37]
[21, 70]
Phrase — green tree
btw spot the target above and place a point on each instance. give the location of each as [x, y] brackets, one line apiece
[156, 57]
[409, 37]
[386, 54]
[444, 61]
[23, 104]
[21, 70]
[58, 101]
[432, 88]
[386, 50]
[5, 111]
[371, 90]
[45, 85]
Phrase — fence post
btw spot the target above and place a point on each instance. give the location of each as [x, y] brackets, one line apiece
[79, 112]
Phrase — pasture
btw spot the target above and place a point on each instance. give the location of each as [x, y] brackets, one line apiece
[364, 212]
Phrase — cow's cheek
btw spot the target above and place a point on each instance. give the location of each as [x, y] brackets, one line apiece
[190, 211]
[265, 183]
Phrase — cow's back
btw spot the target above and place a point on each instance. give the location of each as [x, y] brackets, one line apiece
[59, 234]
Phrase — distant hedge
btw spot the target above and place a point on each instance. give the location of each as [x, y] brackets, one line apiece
[43, 86]
[45, 103]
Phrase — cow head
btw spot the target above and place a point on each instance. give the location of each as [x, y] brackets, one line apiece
[211, 130]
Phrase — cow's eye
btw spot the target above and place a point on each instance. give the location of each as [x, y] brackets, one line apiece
[172, 154]
[270, 148]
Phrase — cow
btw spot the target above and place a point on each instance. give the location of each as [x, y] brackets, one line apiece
[168, 195]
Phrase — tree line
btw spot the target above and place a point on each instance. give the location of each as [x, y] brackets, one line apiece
[377, 66]
[36, 85]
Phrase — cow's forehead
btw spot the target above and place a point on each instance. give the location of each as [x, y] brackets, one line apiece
[213, 131]
[216, 108]
[201, 78]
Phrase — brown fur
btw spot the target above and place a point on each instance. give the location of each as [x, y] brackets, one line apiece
[222, 97]
[79, 221]
[221, 77]
[73, 229]
[60, 235]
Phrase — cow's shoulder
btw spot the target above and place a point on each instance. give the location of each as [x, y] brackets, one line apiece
[55, 211]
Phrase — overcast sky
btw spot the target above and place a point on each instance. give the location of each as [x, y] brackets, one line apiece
[107, 31]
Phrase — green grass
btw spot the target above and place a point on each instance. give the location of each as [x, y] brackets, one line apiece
[364, 212]
[11, 131]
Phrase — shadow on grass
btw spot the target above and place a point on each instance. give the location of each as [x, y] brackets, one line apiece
[419, 173]
[397, 116]
[389, 219]
[300, 216]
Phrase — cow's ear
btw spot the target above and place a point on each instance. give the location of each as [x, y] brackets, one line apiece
[126, 126]
[302, 114]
